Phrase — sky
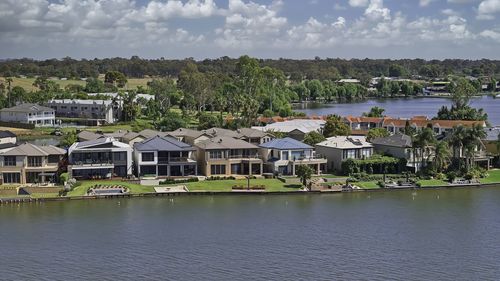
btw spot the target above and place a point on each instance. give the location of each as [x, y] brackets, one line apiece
[428, 29]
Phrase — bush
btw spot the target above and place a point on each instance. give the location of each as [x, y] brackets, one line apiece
[451, 176]
[218, 178]
[64, 177]
[173, 181]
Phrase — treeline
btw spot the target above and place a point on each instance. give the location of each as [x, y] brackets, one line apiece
[295, 70]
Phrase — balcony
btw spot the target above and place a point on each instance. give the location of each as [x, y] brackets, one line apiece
[166, 160]
[244, 156]
[94, 163]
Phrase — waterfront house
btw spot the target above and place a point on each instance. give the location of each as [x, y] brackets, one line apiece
[100, 158]
[97, 112]
[29, 113]
[165, 157]
[190, 136]
[88, 136]
[254, 136]
[295, 129]
[400, 146]
[282, 156]
[227, 156]
[338, 149]
[492, 139]
[29, 163]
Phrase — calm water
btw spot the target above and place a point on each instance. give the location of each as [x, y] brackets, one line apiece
[402, 107]
[402, 235]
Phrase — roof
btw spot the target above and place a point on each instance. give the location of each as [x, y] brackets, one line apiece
[346, 142]
[225, 143]
[104, 140]
[220, 132]
[7, 134]
[158, 143]
[252, 133]
[183, 132]
[303, 125]
[28, 149]
[130, 136]
[7, 145]
[148, 133]
[285, 143]
[27, 107]
[118, 134]
[397, 140]
[87, 135]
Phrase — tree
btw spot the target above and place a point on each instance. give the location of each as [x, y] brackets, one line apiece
[115, 78]
[304, 172]
[313, 138]
[130, 107]
[207, 120]
[425, 141]
[335, 127]
[171, 122]
[442, 154]
[68, 139]
[397, 70]
[375, 112]
[376, 133]
[472, 141]
[9, 81]
[166, 95]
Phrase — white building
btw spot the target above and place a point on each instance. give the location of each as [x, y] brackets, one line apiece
[29, 113]
[102, 111]
[295, 129]
[115, 95]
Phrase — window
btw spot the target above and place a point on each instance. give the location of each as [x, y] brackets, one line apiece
[296, 155]
[366, 152]
[11, 177]
[9, 161]
[53, 159]
[216, 154]
[122, 156]
[148, 157]
[218, 169]
[284, 155]
[349, 153]
[34, 161]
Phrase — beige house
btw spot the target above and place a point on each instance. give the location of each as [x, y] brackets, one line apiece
[338, 149]
[227, 156]
[29, 163]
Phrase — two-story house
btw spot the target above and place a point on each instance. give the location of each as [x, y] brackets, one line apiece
[101, 158]
[29, 163]
[29, 113]
[338, 149]
[165, 157]
[282, 156]
[401, 146]
[226, 156]
[100, 111]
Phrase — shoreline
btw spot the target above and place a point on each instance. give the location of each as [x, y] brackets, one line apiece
[14, 200]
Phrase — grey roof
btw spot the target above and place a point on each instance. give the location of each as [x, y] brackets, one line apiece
[7, 134]
[7, 145]
[285, 143]
[492, 134]
[148, 133]
[183, 132]
[92, 142]
[130, 136]
[118, 134]
[87, 135]
[28, 108]
[252, 133]
[397, 140]
[159, 143]
[225, 143]
[221, 132]
[28, 149]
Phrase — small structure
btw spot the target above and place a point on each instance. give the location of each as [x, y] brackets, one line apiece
[29, 113]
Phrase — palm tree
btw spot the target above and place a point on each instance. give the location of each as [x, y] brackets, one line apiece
[442, 155]
[472, 141]
[456, 141]
[425, 140]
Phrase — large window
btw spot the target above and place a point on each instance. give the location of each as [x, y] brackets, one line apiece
[218, 169]
[366, 152]
[148, 157]
[349, 154]
[284, 155]
[121, 156]
[34, 161]
[9, 161]
[11, 177]
[216, 154]
[53, 159]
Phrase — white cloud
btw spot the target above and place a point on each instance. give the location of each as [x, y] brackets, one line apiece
[424, 3]
[491, 34]
[487, 9]
[376, 10]
[358, 3]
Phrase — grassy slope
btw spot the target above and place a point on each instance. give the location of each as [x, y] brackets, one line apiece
[494, 177]
[430, 183]
[226, 185]
[27, 83]
[367, 184]
[134, 188]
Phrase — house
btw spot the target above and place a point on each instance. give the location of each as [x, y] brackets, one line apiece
[295, 129]
[100, 158]
[282, 156]
[29, 163]
[99, 111]
[190, 136]
[165, 157]
[338, 149]
[492, 140]
[29, 113]
[146, 97]
[400, 146]
[226, 156]
[254, 136]
[88, 136]
[7, 140]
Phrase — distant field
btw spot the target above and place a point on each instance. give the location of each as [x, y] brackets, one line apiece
[27, 83]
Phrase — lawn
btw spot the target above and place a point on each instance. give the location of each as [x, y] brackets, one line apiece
[367, 184]
[494, 177]
[430, 183]
[27, 83]
[81, 190]
[226, 185]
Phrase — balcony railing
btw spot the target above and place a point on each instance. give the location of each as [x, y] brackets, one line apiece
[307, 158]
[93, 162]
[164, 160]
[244, 156]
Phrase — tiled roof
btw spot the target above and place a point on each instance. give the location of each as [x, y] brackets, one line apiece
[397, 140]
[87, 135]
[346, 142]
[28, 149]
[27, 107]
[285, 143]
[158, 143]
[7, 134]
[225, 143]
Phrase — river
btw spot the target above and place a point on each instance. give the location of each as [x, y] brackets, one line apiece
[401, 107]
[398, 235]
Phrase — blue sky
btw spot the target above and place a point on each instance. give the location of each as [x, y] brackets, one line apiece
[429, 29]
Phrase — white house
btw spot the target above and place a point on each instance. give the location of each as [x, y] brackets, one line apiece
[103, 111]
[29, 113]
[296, 128]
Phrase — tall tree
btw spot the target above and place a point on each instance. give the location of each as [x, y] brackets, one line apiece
[334, 126]
[304, 172]
[375, 112]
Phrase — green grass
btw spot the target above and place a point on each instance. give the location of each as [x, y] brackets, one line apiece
[44, 195]
[367, 184]
[27, 83]
[330, 176]
[430, 183]
[494, 177]
[82, 189]
[226, 185]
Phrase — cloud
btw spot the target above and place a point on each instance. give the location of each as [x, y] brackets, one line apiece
[358, 3]
[424, 3]
[491, 34]
[487, 9]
